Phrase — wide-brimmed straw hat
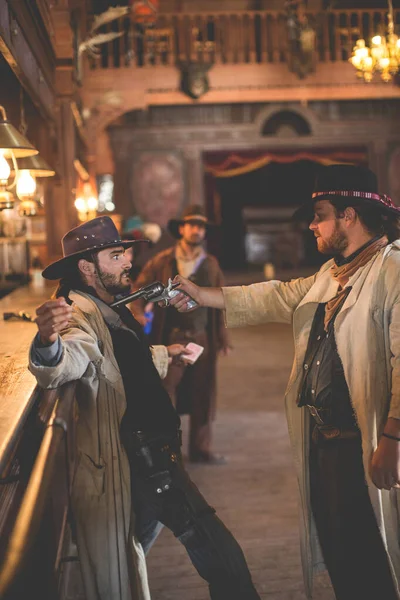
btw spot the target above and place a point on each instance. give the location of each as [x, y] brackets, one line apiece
[95, 235]
[356, 184]
[193, 213]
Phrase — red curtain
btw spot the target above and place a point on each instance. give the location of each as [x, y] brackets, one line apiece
[233, 163]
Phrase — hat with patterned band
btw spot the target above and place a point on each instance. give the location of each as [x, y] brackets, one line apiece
[358, 184]
[194, 214]
[92, 236]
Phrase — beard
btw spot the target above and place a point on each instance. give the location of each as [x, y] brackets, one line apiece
[334, 245]
[194, 240]
[115, 284]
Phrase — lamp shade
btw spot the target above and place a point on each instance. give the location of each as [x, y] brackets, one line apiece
[36, 165]
[12, 142]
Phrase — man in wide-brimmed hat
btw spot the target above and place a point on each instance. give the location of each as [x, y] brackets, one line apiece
[128, 432]
[343, 397]
[193, 388]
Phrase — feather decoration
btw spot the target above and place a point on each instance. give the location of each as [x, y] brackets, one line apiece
[90, 44]
[113, 13]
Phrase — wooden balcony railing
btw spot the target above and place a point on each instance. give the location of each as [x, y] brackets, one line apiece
[229, 37]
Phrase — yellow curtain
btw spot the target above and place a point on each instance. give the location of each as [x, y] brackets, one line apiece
[246, 165]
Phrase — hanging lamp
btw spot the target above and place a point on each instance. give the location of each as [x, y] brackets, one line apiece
[12, 143]
[36, 165]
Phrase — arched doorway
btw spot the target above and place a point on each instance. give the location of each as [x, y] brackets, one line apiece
[253, 194]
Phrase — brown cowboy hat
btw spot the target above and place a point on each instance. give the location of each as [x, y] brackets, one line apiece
[194, 213]
[92, 236]
[355, 183]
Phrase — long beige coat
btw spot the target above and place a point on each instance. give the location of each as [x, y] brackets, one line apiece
[112, 561]
[367, 331]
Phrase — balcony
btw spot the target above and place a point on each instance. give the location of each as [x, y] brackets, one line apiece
[240, 37]
[247, 56]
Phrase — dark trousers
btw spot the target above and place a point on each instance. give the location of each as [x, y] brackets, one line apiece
[198, 381]
[213, 550]
[348, 532]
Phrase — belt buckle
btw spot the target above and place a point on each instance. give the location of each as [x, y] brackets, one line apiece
[315, 413]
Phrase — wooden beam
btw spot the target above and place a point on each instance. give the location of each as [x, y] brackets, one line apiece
[30, 20]
[17, 51]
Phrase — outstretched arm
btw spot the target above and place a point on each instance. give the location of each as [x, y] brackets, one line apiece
[271, 301]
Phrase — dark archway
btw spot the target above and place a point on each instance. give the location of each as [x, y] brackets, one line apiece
[286, 119]
[256, 209]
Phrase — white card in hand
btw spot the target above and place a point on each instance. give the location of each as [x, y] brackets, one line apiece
[195, 352]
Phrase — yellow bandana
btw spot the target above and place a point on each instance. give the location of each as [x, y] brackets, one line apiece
[343, 273]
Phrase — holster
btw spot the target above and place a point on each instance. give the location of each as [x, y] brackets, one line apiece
[153, 456]
[328, 433]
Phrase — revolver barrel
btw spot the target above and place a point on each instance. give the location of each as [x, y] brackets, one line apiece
[149, 293]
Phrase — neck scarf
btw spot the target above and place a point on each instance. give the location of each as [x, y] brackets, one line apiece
[186, 264]
[342, 274]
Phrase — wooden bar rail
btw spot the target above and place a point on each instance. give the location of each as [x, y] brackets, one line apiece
[32, 547]
[236, 37]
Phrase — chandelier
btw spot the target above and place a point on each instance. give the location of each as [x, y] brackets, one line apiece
[86, 202]
[383, 55]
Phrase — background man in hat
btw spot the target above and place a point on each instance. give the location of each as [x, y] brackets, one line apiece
[192, 388]
[128, 437]
[343, 397]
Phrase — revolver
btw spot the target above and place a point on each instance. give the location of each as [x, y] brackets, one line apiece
[155, 292]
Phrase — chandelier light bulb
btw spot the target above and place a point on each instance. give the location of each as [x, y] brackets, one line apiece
[4, 169]
[92, 203]
[80, 204]
[362, 52]
[356, 61]
[26, 184]
[377, 52]
[377, 40]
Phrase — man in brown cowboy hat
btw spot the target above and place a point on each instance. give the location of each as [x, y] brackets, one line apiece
[129, 477]
[192, 388]
[343, 397]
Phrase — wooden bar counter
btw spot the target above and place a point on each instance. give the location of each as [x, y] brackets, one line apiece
[17, 384]
[37, 460]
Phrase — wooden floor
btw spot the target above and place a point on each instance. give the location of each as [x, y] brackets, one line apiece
[255, 494]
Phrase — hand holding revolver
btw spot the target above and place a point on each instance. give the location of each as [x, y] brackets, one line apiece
[202, 296]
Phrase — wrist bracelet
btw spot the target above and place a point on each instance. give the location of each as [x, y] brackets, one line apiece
[391, 437]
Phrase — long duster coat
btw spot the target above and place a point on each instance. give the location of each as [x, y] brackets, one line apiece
[112, 561]
[367, 332]
[161, 268]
